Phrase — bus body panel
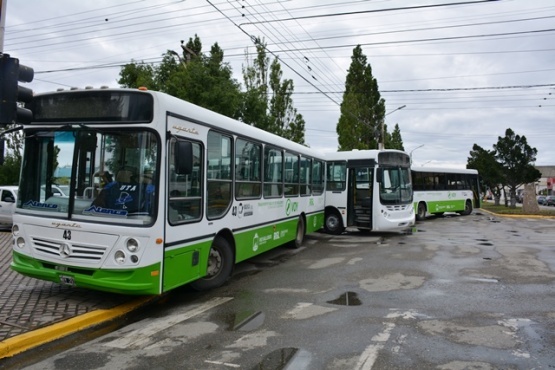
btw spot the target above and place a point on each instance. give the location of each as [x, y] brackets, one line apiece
[440, 190]
[172, 250]
[354, 193]
[79, 254]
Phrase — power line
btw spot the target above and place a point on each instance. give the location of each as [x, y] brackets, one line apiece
[375, 11]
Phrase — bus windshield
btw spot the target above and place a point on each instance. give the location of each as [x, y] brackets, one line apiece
[106, 174]
[395, 187]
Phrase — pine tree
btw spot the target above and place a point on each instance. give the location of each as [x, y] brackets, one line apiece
[362, 108]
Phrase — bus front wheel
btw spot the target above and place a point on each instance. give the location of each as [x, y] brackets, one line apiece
[467, 208]
[333, 224]
[421, 212]
[220, 266]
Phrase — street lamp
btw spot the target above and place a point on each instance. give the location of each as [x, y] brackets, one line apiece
[382, 144]
[410, 154]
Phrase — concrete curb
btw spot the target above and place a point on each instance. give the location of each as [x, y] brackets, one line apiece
[35, 338]
[515, 216]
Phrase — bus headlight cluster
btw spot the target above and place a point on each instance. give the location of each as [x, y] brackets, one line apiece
[132, 246]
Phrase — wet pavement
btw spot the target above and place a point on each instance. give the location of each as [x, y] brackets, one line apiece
[472, 292]
[28, 305]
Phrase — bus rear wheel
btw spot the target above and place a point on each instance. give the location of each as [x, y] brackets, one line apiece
[220, 266]
[301, 231]
[333, 223]
[421, 212]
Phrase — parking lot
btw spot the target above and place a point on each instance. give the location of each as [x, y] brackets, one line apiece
[459, 292]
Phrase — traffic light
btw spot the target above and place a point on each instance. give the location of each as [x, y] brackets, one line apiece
[11, 72]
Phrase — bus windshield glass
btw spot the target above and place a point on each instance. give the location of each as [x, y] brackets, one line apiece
[395, 187]
[86, 174]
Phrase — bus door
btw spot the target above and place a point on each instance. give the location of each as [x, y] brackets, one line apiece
[359, 207]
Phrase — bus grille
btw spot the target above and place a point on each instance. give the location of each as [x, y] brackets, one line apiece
[398, 208]
[68, 251]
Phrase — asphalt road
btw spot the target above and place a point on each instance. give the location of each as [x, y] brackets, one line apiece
[461, 292]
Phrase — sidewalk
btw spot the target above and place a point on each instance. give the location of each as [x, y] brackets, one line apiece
[34, 312]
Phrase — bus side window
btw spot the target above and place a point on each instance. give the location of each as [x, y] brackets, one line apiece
[184, 195]
[219, 179]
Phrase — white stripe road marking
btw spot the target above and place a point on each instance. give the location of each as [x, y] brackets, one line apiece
[222, 363]
[370, 354]
[140, 337]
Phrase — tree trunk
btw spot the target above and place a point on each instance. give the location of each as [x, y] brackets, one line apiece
[529, 202]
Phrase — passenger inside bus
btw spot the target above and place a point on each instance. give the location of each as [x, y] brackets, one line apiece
[121, 194]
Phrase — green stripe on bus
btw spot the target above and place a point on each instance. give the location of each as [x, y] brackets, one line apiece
[139, 280]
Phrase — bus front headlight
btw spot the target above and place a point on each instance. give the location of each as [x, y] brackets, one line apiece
[132, 245]
[119, 257]
[20, 242]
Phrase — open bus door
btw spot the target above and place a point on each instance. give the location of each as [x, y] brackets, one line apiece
[359, 207]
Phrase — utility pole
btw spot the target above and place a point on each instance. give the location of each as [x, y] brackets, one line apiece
[3, 5]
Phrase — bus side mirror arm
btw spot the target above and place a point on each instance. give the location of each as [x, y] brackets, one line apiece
[379, 175]
[183, 158]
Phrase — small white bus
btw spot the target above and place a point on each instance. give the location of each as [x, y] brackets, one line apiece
[368, 189]
[440, 190]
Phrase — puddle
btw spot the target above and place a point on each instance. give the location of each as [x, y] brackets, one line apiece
[347, 299]
[285, 358]
[486, 244]
[248, 321]
[412, 230]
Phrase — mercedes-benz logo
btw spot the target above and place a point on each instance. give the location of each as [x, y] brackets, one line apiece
[65, 250]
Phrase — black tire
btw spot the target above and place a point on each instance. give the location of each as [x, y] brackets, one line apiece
[333, 223]
[301, 231]
[220, 266]
[421, 211]
[467, 208]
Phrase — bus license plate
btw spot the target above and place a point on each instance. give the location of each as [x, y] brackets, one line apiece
[67, 280]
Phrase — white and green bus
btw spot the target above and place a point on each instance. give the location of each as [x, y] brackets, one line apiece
[369, 190]
[162, 193]
[440, 190]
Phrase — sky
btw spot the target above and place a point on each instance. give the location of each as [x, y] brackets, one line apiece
[462, 71]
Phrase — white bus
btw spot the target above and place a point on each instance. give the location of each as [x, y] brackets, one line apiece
[161, 192]
[368, 189]
[440, 190]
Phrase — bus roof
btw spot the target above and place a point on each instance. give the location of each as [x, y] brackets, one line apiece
[357, 154]
[202, 115]
[466, 171]
[165, 103]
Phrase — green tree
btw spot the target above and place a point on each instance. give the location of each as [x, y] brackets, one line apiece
[491, 171]
[276, 114]
[362, 108]
[134, 75]
[394, 140]
[517, 158]
[205, 80]
[13, 148]
[255, 98]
